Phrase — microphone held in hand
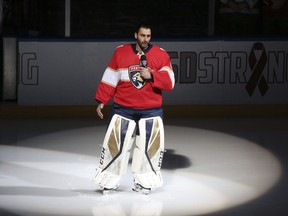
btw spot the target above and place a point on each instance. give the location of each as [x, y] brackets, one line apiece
[143, 61]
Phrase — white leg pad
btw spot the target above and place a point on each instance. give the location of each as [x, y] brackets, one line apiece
[148, 153]
[115, 152]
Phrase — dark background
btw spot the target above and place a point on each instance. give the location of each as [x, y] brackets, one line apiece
[170, 19]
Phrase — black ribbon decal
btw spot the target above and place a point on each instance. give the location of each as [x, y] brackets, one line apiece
[257, 68]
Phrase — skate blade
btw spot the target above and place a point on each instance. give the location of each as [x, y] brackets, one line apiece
[140, 189]
[108, 191]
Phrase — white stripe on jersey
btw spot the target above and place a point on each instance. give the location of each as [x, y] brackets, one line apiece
[124, 75]
[110, 77]
[171, 74]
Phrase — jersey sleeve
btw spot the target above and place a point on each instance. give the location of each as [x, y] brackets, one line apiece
[107, 87]
[164, 78]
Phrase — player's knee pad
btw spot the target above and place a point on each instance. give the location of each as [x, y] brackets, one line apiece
[148, 153]
[115, 152]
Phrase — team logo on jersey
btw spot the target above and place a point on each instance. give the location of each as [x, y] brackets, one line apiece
[135, 78]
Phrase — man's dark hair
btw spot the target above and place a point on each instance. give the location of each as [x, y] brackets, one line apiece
[142, 25]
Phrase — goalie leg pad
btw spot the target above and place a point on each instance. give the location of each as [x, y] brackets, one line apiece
[115, 152]
[148, 153]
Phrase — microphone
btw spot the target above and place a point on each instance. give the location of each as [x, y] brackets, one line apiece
[143, 61]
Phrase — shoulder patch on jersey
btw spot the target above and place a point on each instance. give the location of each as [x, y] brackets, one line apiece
[135, 78]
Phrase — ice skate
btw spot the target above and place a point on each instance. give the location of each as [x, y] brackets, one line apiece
[140, 189]
[108, 190]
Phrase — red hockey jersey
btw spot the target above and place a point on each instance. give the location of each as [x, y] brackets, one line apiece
[122, 80]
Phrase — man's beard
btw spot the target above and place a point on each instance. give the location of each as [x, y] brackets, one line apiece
[142, 47]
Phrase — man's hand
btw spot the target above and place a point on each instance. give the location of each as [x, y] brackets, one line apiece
[99, 110]
[145, 73]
